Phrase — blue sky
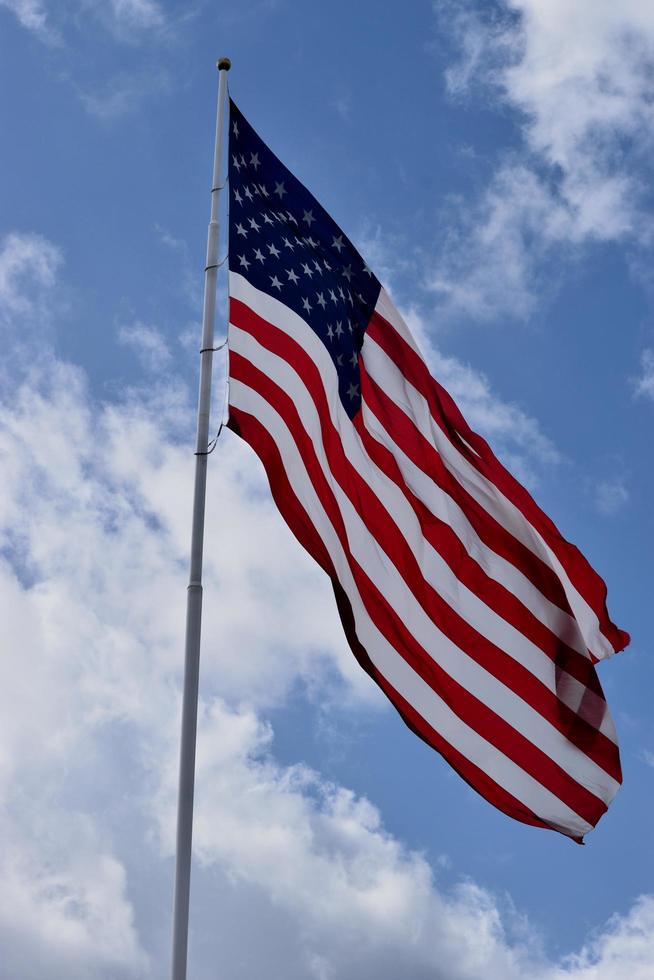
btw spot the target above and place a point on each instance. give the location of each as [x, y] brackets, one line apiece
[493, 162]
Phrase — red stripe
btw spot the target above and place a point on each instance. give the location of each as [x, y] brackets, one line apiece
[451, 421]
[476, 714]
[250, 429]
[380, 523]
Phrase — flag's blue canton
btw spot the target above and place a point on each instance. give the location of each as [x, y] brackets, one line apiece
[285, 244]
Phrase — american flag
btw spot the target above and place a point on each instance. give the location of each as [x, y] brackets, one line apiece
[457, 594]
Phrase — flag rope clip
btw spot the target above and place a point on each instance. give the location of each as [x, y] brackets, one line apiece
[216, 265]
[212, 444]
[203, 350]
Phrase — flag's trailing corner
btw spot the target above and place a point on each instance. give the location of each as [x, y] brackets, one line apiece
[457, 594]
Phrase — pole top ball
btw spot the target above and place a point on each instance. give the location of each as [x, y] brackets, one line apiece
[223, 64]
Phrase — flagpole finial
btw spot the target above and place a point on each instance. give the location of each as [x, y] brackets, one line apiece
[223, 64]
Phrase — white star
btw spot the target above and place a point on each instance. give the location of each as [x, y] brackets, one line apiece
[291, 217]
[327, 265]
[263, 189]
[354, 359]
[339, 328]
[240, 230]
[254, 225]
[244, 262]
[349, 326]
[332, 296]
[258, 254]
[256, 189]
[360, 298]
[288, 244]
[274, 281]
[311, 242]
[352, 391]
[330, 332]
[307, 269]
[340, 292]
[273, 251]
[254, 160]
[338, 244]
[347, 272]
[268, 220]
[316, 266]
[236, 163]
[321, 301]
[349, 296]
[235, 129]
[307, 305]
[308, 217]
[248, 193]
[237, 197]
[280, 189]
[281, 216]
[367, 270]
[292, 276]
[243, 163]
[339, 360]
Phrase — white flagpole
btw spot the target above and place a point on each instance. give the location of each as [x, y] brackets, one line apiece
[194, 594]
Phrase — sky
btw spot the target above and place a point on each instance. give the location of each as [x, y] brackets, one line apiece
[492, 161]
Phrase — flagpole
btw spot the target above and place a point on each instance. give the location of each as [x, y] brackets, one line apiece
[194, 593]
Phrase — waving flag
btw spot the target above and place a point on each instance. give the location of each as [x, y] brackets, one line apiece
[462, 600]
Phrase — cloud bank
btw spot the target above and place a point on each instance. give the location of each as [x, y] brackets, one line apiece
[579, 78]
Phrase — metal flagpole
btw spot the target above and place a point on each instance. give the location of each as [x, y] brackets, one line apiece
[194, 594]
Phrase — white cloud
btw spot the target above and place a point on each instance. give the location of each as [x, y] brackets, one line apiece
[148, 344]
[122, 94]
[580, 78]
[515, 436]
[63, 906]
[140, 14]
[94, 525]
[187, 274]
[624, 948]
[645, 383]
[127, 20]
[32, 15]
[491, 256]
[342, 104]
[611, 495]
[25, 259]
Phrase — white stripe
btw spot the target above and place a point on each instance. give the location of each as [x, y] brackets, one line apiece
[388, 376]
[381, 570]
[408, 684]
